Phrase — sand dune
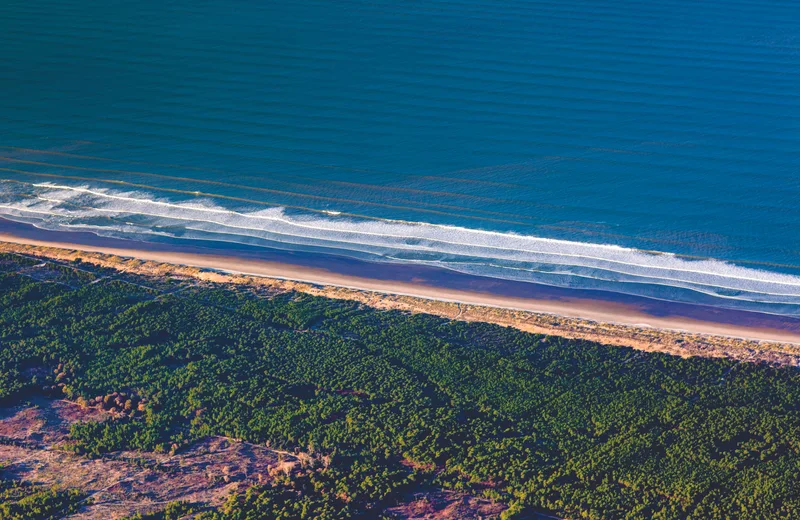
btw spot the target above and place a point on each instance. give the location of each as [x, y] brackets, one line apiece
[605, 321]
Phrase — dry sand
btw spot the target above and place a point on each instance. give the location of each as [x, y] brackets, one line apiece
[603, 321]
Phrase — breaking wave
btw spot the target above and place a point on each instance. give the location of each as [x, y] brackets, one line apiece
[479, 252]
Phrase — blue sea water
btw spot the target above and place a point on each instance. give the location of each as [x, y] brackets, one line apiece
[648, 148]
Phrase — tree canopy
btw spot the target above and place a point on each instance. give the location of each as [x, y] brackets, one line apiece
[400, 402]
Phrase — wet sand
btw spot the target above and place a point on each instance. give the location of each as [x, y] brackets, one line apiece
[428, 283]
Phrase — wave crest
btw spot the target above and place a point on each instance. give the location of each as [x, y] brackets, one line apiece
[474, 251]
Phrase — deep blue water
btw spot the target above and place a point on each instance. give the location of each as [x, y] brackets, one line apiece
[661, 126]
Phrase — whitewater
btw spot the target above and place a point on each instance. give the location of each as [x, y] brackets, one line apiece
[504, 255]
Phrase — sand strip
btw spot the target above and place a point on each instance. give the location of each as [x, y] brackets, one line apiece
[604, 321]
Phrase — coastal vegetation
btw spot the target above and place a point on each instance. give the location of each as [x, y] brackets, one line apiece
[22, 501]
[382, 404]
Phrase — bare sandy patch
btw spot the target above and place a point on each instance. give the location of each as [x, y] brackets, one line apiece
[446, 505]
[124, 483]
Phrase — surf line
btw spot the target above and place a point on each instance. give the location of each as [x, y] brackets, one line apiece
[266, 190]
[777, 278]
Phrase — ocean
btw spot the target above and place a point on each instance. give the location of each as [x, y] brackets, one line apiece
[641, 148]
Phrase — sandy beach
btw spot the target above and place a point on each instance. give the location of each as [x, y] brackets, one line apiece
[738, 334]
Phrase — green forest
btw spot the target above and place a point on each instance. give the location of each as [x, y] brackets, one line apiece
[397, 402]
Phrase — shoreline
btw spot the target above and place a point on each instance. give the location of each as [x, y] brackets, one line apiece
[735, 334]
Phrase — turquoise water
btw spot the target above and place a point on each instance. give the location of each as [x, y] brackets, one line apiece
[557, 142]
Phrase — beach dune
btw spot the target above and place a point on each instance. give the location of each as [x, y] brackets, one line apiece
[658, 326]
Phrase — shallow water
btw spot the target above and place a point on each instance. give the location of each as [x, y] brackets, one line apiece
[341, 127]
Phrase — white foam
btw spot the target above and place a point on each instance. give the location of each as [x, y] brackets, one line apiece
[505, 255]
